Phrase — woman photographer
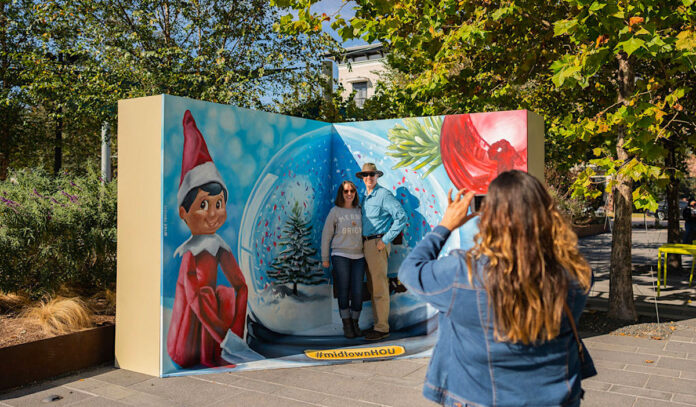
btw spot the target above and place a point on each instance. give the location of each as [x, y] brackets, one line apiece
[505, 336]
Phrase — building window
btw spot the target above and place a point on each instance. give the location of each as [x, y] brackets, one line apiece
[360, 89]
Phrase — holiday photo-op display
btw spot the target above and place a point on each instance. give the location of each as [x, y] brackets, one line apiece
[244, 198]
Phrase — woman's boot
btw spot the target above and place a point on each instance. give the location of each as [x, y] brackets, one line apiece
[356, 328]
[348, 331]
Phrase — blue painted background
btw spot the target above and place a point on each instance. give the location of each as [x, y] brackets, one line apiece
[269, 162]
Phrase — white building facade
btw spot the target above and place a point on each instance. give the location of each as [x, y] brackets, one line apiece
[359, 70]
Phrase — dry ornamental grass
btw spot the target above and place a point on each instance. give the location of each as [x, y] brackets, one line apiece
[22, 321]
[60, 315]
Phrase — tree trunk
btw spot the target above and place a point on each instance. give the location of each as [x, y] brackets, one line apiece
[621, 303]
[58, 146]
[4, 73]
[4, 165]
[294, 289]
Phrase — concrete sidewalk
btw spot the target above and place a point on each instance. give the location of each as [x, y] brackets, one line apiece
[643, 372]
[632, 371]
[677, 300]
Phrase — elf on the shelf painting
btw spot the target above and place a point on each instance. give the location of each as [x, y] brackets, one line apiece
[203, 311]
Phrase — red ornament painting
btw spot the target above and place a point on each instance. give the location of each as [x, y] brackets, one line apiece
[473, 148]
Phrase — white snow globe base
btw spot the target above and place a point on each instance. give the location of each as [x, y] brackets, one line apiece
[411, 322]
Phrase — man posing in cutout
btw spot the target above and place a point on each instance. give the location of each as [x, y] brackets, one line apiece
[383, 219]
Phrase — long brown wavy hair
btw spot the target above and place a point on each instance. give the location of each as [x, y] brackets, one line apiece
[532, 257]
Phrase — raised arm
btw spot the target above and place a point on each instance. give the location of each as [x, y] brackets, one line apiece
[427, 276]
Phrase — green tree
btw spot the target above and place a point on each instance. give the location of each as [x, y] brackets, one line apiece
[451, 56]
[618, 85]
[644, 53]
[296, 262]
[76, 58]
[215, 50]
[14, 43]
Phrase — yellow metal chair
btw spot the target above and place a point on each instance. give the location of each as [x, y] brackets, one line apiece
[674, 248]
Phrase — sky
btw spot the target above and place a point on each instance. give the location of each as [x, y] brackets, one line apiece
[331, 7]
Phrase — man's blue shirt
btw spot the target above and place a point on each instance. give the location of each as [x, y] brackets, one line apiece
[382, 214]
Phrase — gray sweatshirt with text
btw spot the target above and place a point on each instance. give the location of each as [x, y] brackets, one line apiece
[343, 232]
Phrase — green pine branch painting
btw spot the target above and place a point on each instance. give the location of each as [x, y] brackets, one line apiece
[416, 144]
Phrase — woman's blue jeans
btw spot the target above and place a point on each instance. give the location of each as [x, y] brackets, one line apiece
[348, 278]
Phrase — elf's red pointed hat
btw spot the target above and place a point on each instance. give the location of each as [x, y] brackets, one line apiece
[197, 167]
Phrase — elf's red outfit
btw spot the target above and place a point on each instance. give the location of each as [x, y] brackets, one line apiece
[203, 312]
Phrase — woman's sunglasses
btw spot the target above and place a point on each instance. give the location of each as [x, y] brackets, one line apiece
[348, 191]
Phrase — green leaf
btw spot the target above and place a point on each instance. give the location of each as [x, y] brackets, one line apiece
[630, 45]
[686, 40]
[597, 6]
[562, 27]
[595, 61]
[673, 97]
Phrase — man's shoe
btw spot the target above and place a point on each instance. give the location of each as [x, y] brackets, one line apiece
[376, 335]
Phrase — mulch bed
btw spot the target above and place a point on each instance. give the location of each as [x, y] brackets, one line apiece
[597, 323]
[15, 330]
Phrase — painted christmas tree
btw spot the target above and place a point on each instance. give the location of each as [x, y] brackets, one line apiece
[296, 263]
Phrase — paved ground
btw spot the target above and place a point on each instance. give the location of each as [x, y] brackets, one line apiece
[632, 371]
[675, 299]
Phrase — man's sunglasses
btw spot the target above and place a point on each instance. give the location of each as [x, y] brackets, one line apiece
[369, 174]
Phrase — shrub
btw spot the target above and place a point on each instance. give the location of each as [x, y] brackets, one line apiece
[56, 231]
[578, 210]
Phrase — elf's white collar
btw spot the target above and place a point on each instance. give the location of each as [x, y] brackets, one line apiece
[198, 243]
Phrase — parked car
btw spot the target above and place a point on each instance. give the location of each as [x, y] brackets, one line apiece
[661, 212]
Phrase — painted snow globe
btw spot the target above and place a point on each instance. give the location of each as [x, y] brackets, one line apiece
[291, 302]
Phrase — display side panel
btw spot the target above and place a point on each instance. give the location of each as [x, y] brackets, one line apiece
[535, 142]
[139, 230]
[270, 168]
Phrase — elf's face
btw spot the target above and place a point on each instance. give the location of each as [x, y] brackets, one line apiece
[206, 214]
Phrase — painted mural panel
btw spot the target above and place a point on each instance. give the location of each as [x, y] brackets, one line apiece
[246, 194]
[214, 266]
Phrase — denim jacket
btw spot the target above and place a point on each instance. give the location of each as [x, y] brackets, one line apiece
[469, 367]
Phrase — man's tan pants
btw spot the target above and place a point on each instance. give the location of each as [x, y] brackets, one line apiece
[378, 283]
